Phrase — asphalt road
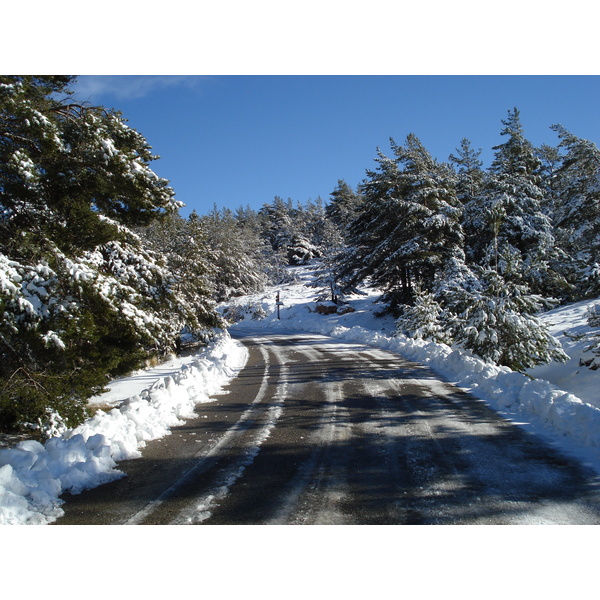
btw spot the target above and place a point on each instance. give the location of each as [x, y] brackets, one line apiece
[321, 431]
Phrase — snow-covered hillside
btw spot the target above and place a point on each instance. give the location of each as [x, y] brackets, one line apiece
[581, 381]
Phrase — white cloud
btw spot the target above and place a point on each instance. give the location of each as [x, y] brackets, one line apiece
[92, 88]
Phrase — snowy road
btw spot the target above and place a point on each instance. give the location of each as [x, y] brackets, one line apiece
[321, 431]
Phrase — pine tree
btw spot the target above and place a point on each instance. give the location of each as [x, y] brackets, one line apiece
[182, 244]
[288, 230]
[326, 278]
[576, 211]
[372, 224]
[276, 222]
[343, 206]
[238, 255]
[408, 226]
[498, 322]
[550, 160]
[508, 216]
[470, 174]
[424, 319]
[81, 299]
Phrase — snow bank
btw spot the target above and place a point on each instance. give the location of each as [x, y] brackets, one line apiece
[34, 475]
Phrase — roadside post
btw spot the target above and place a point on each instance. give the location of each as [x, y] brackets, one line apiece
[279, 303]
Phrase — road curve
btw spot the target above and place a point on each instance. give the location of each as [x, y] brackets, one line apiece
[322, 431]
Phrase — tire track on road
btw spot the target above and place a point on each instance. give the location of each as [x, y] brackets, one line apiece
[207, 458]
[229, 475]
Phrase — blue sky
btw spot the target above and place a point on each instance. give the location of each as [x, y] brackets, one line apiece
[242, 140]
[270, 98]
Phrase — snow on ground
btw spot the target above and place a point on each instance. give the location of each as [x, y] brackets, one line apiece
[556, 401]
[135, 383]
[146, 406]
[581, 381]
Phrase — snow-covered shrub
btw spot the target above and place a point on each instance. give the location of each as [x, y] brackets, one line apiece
[234, 313]
[300, 251]
[423, 319]
[498, 323]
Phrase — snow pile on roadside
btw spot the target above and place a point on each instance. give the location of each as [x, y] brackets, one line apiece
[567, 416]
[134, 383]
[34, 475]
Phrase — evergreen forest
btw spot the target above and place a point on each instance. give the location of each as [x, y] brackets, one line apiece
[101, 274]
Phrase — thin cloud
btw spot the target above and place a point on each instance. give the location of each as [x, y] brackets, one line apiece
[129, 87]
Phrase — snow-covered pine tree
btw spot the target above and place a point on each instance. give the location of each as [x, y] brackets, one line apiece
[314, 223]
[508, 215]
[290, 230]
[408, 225]
[489, 307]
[238, 255]
[550, 161]
[497, 321]
[576, 211]
[470, 174]
[424, 319]
[80, 297]
[182, 244]
[307, 232]
[325, 272]
[343, 206]
[372, 223]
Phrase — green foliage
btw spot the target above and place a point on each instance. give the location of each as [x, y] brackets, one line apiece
[98, 272]
[64, 166]
[191, 264]
[489, 249]
[293, 232]
[507, 216]
[82, 299]
[343, 206]
[470, 175]
[576, 210]
[238, 254]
